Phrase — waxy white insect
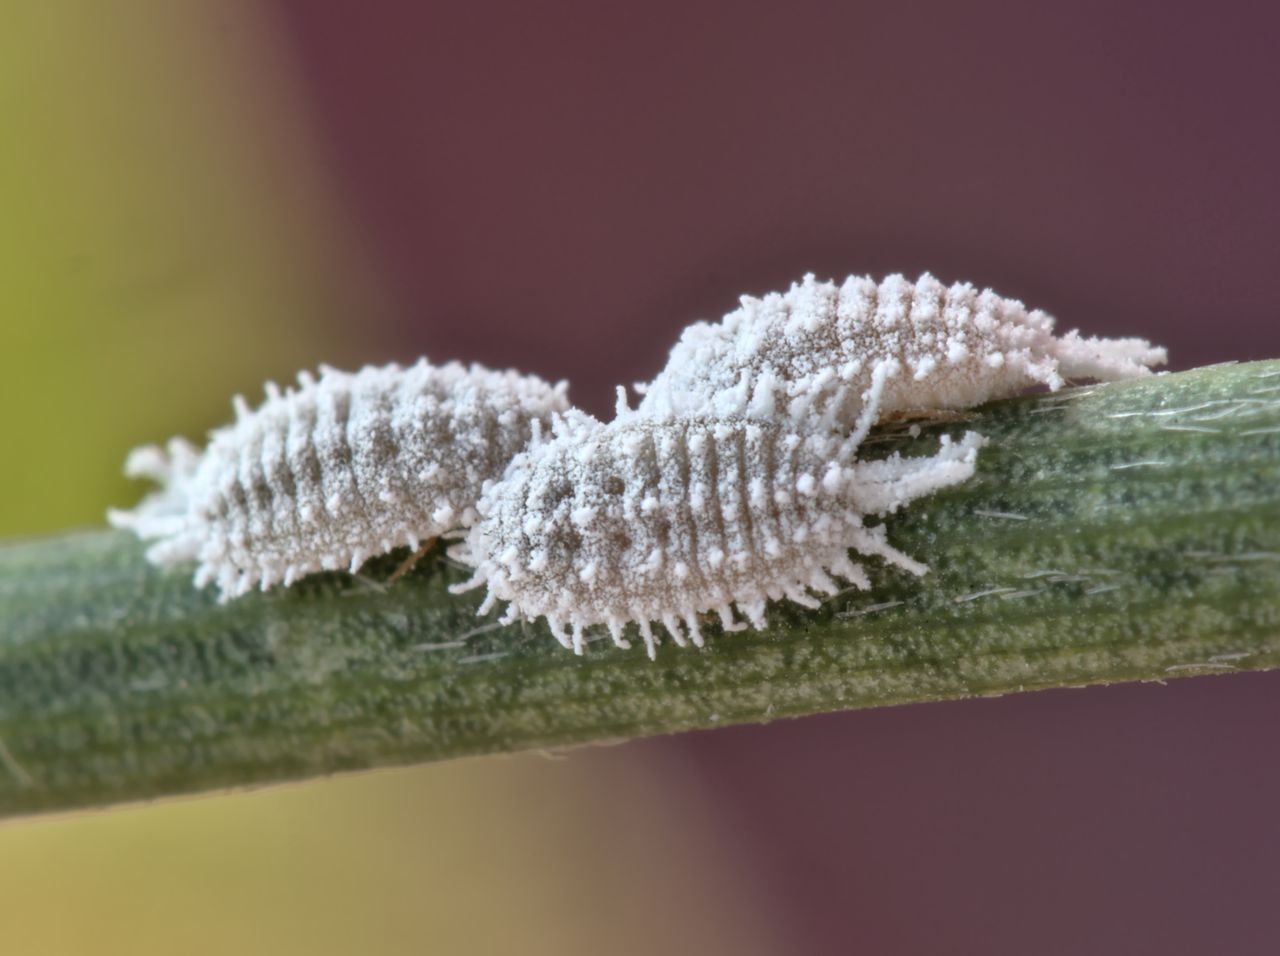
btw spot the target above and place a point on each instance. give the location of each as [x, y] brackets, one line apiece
[818, 351]
[647, 521]
[346, 466]
[735, 482]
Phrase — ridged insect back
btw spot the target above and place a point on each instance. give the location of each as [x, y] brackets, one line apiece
[664, 520]
[812, 351]
[345, 466]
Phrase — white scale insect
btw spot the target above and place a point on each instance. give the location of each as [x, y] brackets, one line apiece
[345, 467]
[662, 520]
[734, 482]
[820, 352]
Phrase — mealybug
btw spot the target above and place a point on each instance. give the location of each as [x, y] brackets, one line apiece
[733, 483]
[816, 352]
[662, 521]
[344, 467]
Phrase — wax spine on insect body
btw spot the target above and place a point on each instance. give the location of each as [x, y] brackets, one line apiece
[661, 521]
[345, 466]
[734, 482]
[813, 353]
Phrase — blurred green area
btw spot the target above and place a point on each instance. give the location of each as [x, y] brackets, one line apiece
[157, 249]
[167, 238]
[149, 257]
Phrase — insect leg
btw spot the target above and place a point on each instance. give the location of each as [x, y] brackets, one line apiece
[409, 563]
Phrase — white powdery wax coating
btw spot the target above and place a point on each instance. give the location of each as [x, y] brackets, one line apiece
[663, 520]
[733, 483]
[814, 352]
[346, 466]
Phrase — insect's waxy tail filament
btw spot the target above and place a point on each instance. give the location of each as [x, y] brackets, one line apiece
[1106, 359]
[882, 487]
[163, 516]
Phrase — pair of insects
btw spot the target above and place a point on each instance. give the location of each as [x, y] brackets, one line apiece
[734, 482]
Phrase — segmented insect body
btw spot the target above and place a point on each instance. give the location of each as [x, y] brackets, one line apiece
[819, 352]
[734, 482]
[646, 521]
[344, 467]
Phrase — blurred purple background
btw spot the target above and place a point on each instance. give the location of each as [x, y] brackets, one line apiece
[563, 186]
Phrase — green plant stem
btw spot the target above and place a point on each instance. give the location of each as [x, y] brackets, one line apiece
[1113, 533]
